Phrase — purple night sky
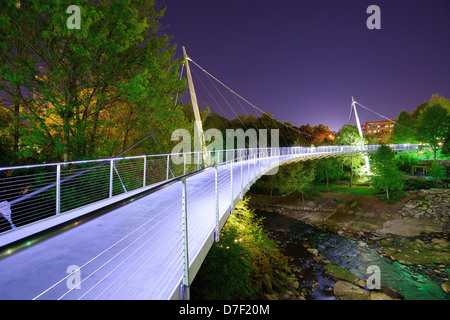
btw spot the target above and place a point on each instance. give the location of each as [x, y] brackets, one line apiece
[303, 60]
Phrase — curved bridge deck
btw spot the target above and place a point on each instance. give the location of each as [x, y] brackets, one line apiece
[132, 245]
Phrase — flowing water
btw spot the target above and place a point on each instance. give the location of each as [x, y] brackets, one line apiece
[353, 255]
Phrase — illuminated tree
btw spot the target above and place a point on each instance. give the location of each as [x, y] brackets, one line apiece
[403, 131]
[433, 125]
[349, 136]
[114, 77]
[385, 170]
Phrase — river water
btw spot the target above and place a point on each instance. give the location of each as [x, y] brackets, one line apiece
[353, 255]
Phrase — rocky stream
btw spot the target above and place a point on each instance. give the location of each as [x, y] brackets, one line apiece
[332, 243]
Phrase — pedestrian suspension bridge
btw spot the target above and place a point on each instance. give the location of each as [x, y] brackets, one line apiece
[135, 227]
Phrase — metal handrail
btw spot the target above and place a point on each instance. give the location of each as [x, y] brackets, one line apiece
[224, 156]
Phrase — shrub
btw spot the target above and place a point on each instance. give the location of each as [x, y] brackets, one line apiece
[394, 197]
[231, 269]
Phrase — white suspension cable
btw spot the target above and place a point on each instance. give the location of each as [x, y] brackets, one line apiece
[255, 107]
[382, 116]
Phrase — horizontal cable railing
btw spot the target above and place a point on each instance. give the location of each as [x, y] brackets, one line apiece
[153, 259]
[36, 192]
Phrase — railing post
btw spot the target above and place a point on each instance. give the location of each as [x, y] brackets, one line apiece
[184, 290]
[184, 164]
[198, 161]
[248, 170]
[216, 187]
[145, 171]
[242, 182]
[111, 172]
[58, 189]
[231, 183]
[167, 169]
[259, 165]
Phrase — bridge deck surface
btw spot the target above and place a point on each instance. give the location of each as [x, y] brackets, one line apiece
[133, 252]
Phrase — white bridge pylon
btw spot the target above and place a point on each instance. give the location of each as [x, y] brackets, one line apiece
[366, 168]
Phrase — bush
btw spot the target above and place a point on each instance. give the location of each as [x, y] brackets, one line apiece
[417, 184]
[406, 161]
[231, 269]
[394, 196]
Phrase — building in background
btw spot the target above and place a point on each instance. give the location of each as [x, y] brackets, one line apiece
[378, 131]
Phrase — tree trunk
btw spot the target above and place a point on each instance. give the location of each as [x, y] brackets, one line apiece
[387, 193]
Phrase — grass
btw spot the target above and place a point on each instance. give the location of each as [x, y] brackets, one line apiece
[341, 273]
[356, 190]
[412, 252]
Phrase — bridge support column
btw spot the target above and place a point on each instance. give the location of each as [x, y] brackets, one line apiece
[184, 290]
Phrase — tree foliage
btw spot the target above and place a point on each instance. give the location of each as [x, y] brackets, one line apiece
[92, 91]
[385, 170]
[436, 171]
[403, 131]
[349, 135]
[433, 126]
[328, 168]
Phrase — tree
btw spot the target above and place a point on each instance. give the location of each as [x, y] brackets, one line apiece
[385, 172]
[436, 171]
[403, 131]
[298, 177]
[328, 168]
[433, 125]
[349, 135]
[90, 91]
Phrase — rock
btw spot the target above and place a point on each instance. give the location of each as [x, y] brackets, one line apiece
[313, 251]
[267, 285]
[344, 290]
[446, 287]
[374, 295]
[440, 242]
[361, 283]
[272, 296]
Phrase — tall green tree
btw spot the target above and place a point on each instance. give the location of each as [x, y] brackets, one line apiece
[386, 174]
[90, 91]
[436, 171]
[328, 168]
[433, 126]
[349, 136]
[298, 177]
[403, 131]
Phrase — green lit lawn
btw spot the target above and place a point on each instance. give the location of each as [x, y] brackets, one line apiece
[356, 190]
